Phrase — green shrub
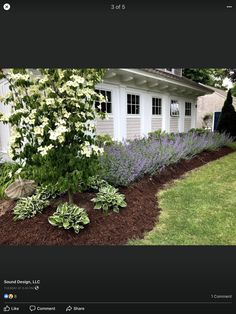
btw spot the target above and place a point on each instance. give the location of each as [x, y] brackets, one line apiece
[7, 171]
[159, 134]
[198, 131]
[49, 191]
[104, 140]
[95, 183]
[69, 216]
[109, 198]
[227, 119]
[28, 207]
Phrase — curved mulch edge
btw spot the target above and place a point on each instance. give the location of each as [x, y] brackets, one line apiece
[134, 221]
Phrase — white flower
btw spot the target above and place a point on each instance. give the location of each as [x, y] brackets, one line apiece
[50, 101]
[86, 150]
[38, 130]
[65, 113]
[44, 150]
[28, 120]
[78, 79]
[4, 118]
[55, 134]
[97, 150]
[18, 171]
[43, 80]
[61, 138]
[78, 126]
[72, 83]
[19, 76]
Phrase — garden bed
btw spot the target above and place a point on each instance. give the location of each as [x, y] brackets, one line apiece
[133, 221]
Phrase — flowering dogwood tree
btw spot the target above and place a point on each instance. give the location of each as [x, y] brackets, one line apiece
[52, 124]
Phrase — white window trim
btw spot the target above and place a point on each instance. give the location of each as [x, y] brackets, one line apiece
[134, 115]
[157, 115]
[108, 89]
[188, 116]
[179, 103]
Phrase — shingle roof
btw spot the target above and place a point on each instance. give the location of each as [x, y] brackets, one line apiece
[178, 78]
[221, 92]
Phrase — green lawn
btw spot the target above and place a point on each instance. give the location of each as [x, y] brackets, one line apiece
[199, 209]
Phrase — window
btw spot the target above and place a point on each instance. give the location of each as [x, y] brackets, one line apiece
[156, 106]
[133, 104]
[188, 107]
[107, 105]
[171, 70]
[174, 108]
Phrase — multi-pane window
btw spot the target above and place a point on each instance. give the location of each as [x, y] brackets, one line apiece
[133, 104]
[174, 108]
[156, 106]
[188, 107]
[105, 106]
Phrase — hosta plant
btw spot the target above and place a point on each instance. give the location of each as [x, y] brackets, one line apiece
[95, 183]
[69, 216]
[49, 191]
[28, 207]
[109, 198]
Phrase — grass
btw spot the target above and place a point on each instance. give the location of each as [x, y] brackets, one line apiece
[233, 145]
[199, 209]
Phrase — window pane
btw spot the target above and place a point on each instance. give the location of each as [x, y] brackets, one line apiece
[97, 103]
[129, 109]
[133, 99]
[153, 110]
[103, 107]
[137, 100]
[137, 109]
[129, 99]
[108, 96]
[108, 107]
[133, 109]
[174, 108]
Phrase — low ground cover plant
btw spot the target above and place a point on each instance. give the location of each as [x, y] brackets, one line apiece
[108, 198]
[95, 182]
[123, 163]
[28, 207]
[69, 216]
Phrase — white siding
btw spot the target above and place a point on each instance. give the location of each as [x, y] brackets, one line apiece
[156, 123]
[105, 126]
[133, 128]
[4, 129]
[174, 124]
[187, 124]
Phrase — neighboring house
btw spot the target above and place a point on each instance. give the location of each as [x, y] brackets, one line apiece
[140, 101]
[211, 103]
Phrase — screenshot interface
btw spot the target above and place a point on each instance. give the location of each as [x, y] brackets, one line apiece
[118, 156]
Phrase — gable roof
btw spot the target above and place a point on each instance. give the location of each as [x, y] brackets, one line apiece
[220, 92]
[178, 78]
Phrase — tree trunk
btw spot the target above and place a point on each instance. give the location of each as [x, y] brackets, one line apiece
[70, 197]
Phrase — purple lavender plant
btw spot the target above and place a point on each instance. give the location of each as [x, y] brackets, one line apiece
[123, 163]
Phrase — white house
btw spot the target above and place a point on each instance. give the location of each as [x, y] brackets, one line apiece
[139, 101]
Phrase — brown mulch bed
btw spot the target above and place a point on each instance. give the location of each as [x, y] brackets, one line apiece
[133, 221]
